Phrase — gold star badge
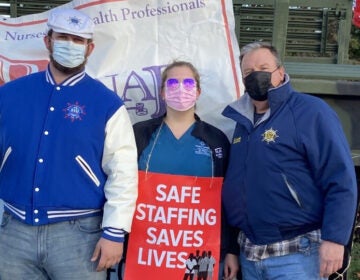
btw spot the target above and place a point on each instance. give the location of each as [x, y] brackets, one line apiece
[270, 135]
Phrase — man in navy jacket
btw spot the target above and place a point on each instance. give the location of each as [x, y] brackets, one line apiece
[290, 186]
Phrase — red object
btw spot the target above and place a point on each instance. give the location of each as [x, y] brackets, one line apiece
[356, 16]
[167, 225]
[12, 69]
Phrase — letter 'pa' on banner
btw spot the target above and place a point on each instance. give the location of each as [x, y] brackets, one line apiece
[177, 220]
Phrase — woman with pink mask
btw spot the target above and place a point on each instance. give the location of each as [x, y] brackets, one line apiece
[180, 143]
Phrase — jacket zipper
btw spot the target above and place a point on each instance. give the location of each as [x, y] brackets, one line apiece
[291, 190]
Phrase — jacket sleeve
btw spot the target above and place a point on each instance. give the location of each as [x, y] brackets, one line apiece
[229, 235]
[120, 164]
[330, 160]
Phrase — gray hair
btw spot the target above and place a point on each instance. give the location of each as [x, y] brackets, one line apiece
[260, 45]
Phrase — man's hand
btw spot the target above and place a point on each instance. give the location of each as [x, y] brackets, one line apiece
[108, 253]
[231, 266]
[331, 257]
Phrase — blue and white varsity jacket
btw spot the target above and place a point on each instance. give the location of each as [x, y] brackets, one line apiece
[67, 150]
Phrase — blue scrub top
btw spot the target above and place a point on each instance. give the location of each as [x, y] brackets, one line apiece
[187, 155]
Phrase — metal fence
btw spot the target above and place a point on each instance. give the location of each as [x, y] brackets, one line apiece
[16, 8]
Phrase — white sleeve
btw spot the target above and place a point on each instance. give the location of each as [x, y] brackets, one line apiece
[120, 164]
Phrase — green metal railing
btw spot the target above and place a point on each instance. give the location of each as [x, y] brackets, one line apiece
[15, 8]
[314, 30]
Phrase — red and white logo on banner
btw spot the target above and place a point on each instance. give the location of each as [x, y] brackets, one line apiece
[12, 69]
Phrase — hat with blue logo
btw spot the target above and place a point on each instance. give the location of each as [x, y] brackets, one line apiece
[71, 21]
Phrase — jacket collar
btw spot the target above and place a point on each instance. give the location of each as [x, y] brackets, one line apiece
[71, 81]
[245, 107]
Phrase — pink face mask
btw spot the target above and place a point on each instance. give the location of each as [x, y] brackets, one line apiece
[180, 96]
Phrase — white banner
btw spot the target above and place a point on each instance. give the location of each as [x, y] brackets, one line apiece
[134, 40]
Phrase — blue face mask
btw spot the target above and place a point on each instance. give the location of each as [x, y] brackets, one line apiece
[68, 54]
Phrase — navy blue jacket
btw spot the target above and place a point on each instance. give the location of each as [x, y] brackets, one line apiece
[290, 173]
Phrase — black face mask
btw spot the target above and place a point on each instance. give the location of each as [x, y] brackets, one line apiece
[257, 84]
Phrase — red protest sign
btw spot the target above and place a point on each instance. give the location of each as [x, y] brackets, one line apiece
[176, 216]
